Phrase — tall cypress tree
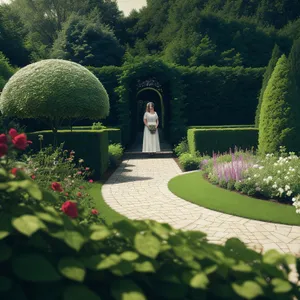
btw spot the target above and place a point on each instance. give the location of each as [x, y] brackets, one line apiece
[294, 59]
[280, 111]
[270, 68]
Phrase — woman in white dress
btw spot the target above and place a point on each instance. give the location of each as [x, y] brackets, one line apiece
[151, 140]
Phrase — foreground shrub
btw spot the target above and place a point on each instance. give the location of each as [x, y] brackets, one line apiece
[46, 254]
[98, 126]
[56, 258]
[182, 147]
[189, 162]
[115, 153]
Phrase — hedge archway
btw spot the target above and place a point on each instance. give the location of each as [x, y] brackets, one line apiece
[173, 97]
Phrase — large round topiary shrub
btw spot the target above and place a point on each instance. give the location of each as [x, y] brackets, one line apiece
[54, 90]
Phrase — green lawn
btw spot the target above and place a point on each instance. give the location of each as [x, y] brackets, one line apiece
[105, 211]
[194, 188]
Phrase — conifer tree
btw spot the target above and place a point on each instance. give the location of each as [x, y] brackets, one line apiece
[270, 68]
[280, 112]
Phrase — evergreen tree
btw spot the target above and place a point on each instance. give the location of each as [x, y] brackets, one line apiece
[280, 112]
[294, 59]
[86, 41]
[270, 68]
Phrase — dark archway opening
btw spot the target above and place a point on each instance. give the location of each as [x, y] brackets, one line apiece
[144, 96]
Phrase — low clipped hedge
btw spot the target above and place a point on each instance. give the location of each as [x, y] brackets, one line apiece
[114, 134]
[92, 146]
[209, 140]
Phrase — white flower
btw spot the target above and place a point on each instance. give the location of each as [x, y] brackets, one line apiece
[258, 189]
[274, 186]
[289, 193]
[81, 160]
[278, 172]
[255, 166]
[281, 191]
[286, 177]
[261, 167]
[287, 187]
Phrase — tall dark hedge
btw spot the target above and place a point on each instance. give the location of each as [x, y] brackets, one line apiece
[109, 77]
[221, 96]
[201, 96]
[294, 59]
[280, 112]
[270, 68]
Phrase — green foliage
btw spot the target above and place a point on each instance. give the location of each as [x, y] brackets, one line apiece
[47, 255]
[211, 140]
[86, 41]
[6, 70]
[12, 37]
[109, 76]
[182, 147]
[189, 162]
[54, 90]
[294, 61]
[279, 117]
[207, 33]
[115, 154]
[98, 126]
[270, 68]
[91, 146]
[208, 105]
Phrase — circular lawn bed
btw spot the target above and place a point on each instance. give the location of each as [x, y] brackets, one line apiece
[195, 188]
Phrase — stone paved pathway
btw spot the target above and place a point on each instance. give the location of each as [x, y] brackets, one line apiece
[139, 190]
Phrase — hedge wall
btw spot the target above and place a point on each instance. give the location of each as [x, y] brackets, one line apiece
[92, 146]
[108, 76]
[217, 96]
[221, 139]
[193, 96]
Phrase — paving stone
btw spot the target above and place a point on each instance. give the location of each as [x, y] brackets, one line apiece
[139, 190]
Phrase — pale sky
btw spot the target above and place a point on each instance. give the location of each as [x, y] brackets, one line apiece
[126, 5]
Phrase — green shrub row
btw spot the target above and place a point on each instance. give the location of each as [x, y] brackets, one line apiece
[91, 146]
[207, 141]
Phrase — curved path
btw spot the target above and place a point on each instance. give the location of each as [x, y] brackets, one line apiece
[139, 190]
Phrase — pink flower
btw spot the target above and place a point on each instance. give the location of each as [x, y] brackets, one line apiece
[70, 209]
[87, 169]
[91, 181]
[56, 187]
[20, 141]
[13, 132]
[79, 173]
[33, 177]
[95, 212]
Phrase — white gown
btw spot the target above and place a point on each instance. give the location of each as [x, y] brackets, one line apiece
[151, 140]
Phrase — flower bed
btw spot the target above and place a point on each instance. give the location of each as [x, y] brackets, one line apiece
[269, 177]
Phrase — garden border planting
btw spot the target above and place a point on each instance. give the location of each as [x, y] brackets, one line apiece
[194, 188]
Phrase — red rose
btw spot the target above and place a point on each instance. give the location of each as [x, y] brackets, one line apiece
[91, 181]
[14, 171]
[55, 186]
[13, 132]
[70, 209]
[79, 194]
[33, 177]
[95, 212]
[3, 149]
[3, 138]
[20, 141]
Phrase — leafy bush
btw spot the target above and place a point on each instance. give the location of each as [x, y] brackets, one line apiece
[54, 90]
[6, 70]
[46, 254]
[115, 152]
[98, 126]
[96, 154]
[182, 147]
[189, 162]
